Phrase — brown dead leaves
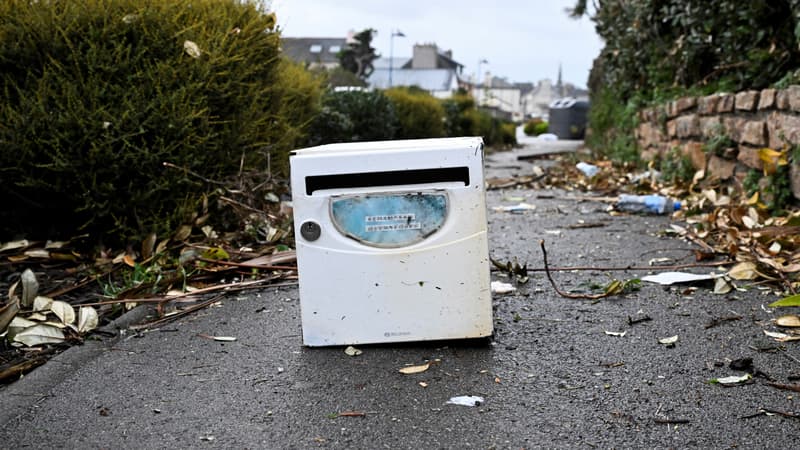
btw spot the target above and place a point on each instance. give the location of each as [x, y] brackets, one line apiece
[719, 218]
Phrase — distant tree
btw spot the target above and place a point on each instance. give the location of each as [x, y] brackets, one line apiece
[359, 54]
[341, 77]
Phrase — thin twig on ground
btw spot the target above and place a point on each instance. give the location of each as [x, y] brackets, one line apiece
[179, 314]
[765, 411]
[671, 421]
[787, 387]
[246, 265]
[247, 207]
[625, 268]
[720, 320]
[563, 293]
[194, 174]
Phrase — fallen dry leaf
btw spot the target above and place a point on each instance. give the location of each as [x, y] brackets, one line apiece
[775, 335]
[39, 335]
[789, 320]
[7, 314]
[42, 303]
[217, 338]
[733, 379]
[743, 271]
[30, 288]
[191, 49]
[87, 319]
[408, 370]
[14, 245]
[129, 260]
[669, 340]
[722, 286]
[616, 333]
[352, 351]
[39, 317]
[63, 311]
[37, 253]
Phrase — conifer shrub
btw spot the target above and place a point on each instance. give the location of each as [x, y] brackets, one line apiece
[99, 94]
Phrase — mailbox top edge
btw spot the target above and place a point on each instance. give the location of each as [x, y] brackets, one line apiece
[473, 142]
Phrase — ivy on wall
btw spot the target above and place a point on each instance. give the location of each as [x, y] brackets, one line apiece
[654, 47]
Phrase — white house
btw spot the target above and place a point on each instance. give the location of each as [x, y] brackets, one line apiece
[429, 69]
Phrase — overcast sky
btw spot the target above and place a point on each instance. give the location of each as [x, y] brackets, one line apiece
[521, 40]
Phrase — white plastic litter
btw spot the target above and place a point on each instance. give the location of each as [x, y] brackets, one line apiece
[650, 175]
[547, 137]
[589, 170]
[498, 287]
[667, 278]
[466, 400]
[515, 209]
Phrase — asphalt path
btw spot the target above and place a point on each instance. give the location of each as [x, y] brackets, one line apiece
[551, 376]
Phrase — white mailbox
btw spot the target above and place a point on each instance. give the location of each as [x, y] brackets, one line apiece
[391, 241]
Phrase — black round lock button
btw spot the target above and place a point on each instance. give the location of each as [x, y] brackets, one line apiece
[310, 231]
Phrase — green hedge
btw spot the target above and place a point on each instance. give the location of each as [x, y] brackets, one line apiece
[404, 113]
[98, 94]
[458, 121]
[353, 116]
[657, 50]
[462, 118]
[419, 114]
[535, 127]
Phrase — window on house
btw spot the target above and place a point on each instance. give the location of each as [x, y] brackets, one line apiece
[315, 48]
[334, 48]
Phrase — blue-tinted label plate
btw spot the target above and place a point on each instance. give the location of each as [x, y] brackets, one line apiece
[389, 220]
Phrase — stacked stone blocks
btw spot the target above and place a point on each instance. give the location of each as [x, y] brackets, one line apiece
[751, 120]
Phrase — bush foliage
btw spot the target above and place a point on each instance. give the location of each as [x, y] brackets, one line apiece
[419, 114]
[404, 113]
[535, 127]
[656, 50]
[353, 116]
[98, 94]
[653, 47]
[462, 118]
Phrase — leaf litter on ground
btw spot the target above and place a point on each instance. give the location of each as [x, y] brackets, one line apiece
[247, 246]
[729, 226]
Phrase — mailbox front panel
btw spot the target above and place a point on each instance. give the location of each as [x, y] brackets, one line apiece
[391, 241]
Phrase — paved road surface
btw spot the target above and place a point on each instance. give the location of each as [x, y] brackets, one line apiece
[551, 377]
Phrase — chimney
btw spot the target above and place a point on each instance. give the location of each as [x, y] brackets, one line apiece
[424, 56]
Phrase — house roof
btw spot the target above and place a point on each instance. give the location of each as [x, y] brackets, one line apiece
[524, 87]
[397, 63]
[427, 79]
[313, 50]
[500, 83]
[449, 61]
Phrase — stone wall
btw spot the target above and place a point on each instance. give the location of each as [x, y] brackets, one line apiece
[743, 122]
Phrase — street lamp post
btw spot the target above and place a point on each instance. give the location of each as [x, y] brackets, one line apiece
[397, 33]
[481, 62]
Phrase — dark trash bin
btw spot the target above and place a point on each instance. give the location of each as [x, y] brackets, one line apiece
[568, 118]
